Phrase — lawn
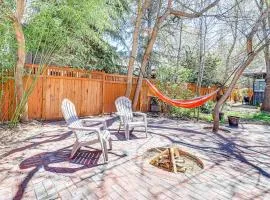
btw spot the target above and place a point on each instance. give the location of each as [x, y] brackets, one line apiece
[246, 114]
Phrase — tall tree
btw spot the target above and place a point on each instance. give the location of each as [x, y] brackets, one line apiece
[202, 38]
[234, 28]
[180, 43]
[80, 32]
[251, 52]
[265, 28]
[158, 22]
[142, 5]
[19, 70]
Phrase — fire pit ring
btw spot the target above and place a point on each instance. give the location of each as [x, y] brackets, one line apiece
[173, 159]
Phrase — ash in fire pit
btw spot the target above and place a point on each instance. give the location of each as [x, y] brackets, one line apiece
[175, 160]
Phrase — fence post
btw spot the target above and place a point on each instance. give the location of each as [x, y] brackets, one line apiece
[141, 97]
[103, 92]
[43, 91]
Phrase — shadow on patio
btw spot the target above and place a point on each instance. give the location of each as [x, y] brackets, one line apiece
[219, 145]
[57, 162]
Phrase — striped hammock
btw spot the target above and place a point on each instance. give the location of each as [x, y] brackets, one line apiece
[190, 103]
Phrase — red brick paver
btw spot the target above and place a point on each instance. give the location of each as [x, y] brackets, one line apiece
[35, 165]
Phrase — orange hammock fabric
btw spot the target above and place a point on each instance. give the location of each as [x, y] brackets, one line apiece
[191, 103]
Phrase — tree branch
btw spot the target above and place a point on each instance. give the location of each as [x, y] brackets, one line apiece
[255, 28]
[20, 6]
[179, 13]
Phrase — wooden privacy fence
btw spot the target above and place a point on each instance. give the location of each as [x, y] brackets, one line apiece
[92, 92]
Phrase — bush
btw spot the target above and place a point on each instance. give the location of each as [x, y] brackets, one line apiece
[236, 95]
[208, 107]
[182, 113]
[174, 91]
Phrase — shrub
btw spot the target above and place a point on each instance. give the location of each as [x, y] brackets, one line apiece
[182, 113]
[208, 107]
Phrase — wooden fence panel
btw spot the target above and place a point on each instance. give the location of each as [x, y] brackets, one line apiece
[91, 98]
[35, 98]
[4, 102]
[56, 89]
[7, 100]
[111, 92]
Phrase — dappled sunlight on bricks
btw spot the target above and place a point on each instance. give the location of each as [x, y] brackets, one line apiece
[236, 165]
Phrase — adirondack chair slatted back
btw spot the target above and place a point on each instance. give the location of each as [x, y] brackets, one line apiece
[124, 107]
[70, 115]
[69, 112]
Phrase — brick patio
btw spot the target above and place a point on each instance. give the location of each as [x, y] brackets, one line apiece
[36, 165]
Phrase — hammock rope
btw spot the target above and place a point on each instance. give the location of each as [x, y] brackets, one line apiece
[191, 103]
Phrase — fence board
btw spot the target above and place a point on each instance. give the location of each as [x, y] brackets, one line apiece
[35, 99]
[91, 98]
[5, 101]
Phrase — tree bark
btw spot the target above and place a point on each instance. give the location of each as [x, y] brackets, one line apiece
[134, 49]
[202, 38]
[180, 43]
[146, 56]
[265, 26]
[17, 24]
[266, 100]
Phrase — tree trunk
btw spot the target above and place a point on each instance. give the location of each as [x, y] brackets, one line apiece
[146, 57]
[180, 44]
[201, 64]
[17, 18]
[179, 51]
[266, 100]
[202, 38]
[234, 30]
[140, 11]
[228, 92]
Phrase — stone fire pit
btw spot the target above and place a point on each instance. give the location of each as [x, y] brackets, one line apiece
[173, 159]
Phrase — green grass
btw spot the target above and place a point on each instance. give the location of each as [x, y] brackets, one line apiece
[246, 115]
[261, 117]
[206, 117]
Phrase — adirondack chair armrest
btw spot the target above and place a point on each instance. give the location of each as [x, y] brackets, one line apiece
[83, 128]
[141, 114]
[84, 121]
[122, 117]
[120, 114]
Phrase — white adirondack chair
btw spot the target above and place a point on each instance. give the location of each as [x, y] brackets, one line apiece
[124, 111]
[85, 135]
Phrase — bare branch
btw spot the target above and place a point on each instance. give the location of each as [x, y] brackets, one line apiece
[179, 13]
[255, 28]
[258, 23]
